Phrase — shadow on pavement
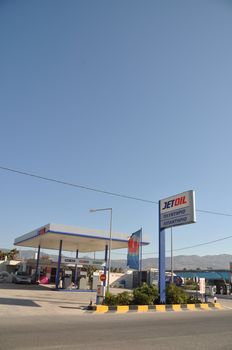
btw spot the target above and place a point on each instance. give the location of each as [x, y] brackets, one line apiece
[72, 307]
[18, 302]
[13, 286]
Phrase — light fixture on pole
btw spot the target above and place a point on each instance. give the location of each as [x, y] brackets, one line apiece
[110, 242]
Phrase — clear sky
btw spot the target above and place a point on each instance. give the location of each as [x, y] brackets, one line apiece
[126, 96]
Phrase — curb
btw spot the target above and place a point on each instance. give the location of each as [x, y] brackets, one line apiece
[156, 308]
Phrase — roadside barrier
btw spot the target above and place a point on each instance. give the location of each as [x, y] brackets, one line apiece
[156, 308]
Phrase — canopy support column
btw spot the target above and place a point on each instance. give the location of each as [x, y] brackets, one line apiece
[37, 265]
[58, 266]
[76, 274]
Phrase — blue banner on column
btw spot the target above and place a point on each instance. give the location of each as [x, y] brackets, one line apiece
[134, 250]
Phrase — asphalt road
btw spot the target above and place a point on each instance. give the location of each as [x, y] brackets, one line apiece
[170, 330]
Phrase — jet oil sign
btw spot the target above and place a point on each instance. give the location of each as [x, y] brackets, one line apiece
[178, 210]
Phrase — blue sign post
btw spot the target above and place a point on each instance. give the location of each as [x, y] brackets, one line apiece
[161, 262]
[173, 211]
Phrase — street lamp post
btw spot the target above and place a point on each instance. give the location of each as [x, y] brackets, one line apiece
[110, 242]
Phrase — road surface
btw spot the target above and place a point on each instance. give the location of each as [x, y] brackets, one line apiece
[170, 330]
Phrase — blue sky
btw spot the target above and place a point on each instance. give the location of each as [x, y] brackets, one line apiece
[126, 96]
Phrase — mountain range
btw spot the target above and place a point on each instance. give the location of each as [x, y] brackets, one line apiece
[188, 262]
[180, 262]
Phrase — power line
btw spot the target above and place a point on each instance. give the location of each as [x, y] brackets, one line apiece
[212, 212]
[94, 189]
[77, 186]
[188, 247]
[195, 245]
[121, 196]
[202, 244]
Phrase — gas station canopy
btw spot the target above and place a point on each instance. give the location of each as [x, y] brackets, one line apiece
[73, 238]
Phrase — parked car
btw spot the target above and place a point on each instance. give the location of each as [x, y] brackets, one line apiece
[22, 277]
[5, 277]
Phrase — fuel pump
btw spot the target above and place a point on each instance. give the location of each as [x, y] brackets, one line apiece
[67, 279]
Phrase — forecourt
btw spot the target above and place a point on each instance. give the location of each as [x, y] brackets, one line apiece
[73, 239]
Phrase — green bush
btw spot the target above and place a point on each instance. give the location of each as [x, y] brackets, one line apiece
[190, 287]
[124, 298]
[175, 295]
[149, 295]
[145, 295]
[110, 300]
[141, 298]
[189, 282]
[193, 300]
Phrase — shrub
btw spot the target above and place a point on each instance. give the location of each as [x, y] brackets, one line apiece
[190, 287]
[193, 300]
[142, 298]
[110, 299]
[189, 282]
[175, 295]
[145, 295]
[124, 298]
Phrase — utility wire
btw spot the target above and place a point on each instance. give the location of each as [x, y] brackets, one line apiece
[202, 244]
[188, 247]
[121, 196]
[77, 186]
[196, 245]
[100, 191]
[212, 212]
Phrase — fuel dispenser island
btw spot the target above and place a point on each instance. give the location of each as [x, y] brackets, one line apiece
[83, 281]
[100, 294]
[75, 273]
[67, 279]
[101, 289]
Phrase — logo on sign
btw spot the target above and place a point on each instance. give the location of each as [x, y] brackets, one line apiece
[133, 246]
[175, 203]
[42, 231]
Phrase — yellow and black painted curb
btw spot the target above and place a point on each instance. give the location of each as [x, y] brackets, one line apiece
[159, 308]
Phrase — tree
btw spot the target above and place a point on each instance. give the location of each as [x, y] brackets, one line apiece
[12, 254]
[90, 270]
[45, 258]
[2, 255]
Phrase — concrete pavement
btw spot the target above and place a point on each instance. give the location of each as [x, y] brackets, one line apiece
[29, 300]
[38, 300]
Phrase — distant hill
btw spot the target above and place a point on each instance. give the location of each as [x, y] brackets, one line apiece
[29, 254]
[221, 261]
[4, 250]
[188, 262]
